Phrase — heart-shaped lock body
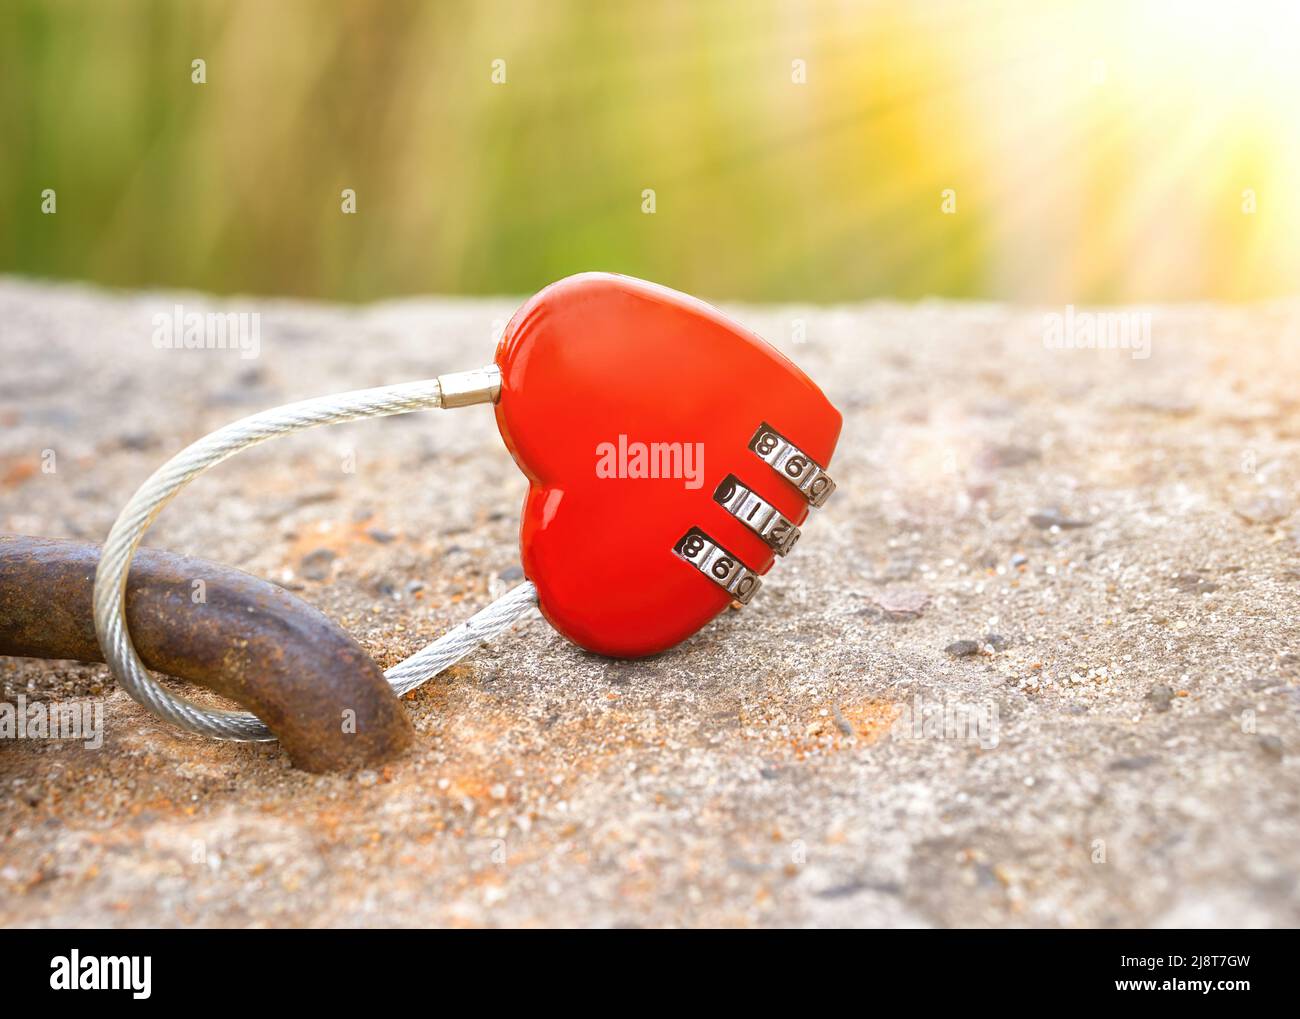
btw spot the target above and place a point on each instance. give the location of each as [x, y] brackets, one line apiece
[670, 455]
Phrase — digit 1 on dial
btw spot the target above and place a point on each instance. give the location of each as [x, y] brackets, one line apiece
[756, 513]
[719, 565]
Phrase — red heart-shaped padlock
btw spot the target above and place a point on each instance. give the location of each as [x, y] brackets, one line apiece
[670, 454]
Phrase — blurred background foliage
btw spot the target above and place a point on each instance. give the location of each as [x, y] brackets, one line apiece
[1095, 151]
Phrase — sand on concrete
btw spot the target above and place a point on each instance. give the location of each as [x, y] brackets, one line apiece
[1036, 663]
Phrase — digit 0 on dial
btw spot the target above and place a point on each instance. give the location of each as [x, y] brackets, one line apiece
[756, 513]
[792, 464]
[719, 565]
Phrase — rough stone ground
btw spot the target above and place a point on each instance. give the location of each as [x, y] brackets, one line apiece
[1117, 536]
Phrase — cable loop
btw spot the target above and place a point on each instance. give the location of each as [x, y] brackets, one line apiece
[166, 482]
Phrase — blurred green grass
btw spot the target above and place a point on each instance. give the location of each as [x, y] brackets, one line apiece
[765, 189]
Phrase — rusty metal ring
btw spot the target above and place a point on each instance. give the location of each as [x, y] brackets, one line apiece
[243, 637]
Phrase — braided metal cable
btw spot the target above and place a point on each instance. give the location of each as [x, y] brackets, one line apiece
[163, 486]
[456, 643]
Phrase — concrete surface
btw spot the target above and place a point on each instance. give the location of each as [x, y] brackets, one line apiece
[1092, 559]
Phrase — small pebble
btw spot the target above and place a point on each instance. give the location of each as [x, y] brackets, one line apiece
[315, 565]
[963, 648]
[1272, 746]
[366, 778]
[1133, 763]
[380, 536]
[1161, 696]
[1046, 519]
[137, 441]
[995, 457]
[1193, 583]
[1263, 507]
[904, 604]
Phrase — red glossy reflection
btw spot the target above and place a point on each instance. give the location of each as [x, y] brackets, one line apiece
[595, 365]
